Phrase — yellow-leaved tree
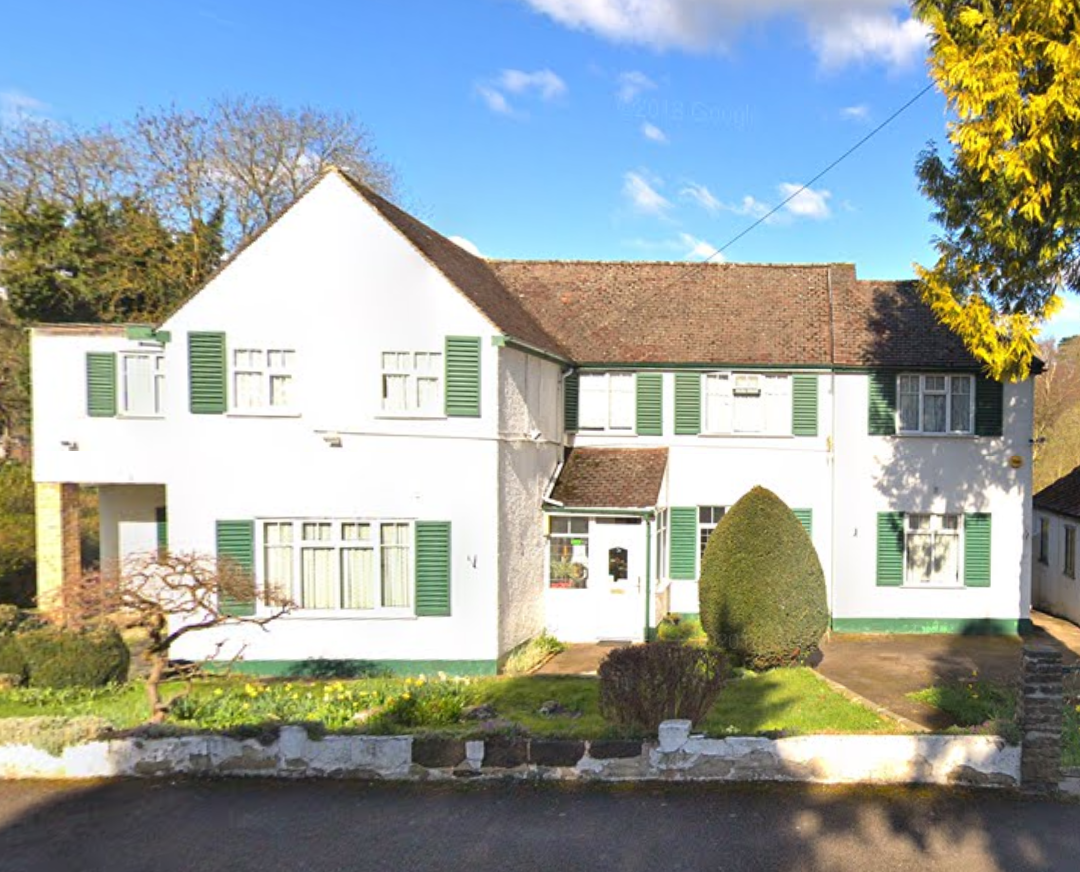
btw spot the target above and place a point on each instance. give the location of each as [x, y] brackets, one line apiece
[1008, 197]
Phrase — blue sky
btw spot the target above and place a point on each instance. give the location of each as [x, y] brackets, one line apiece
[607, 129]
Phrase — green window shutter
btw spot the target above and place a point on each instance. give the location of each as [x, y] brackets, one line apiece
[890, 549]
[101, 384]
[806, 518]
[804, 405]
[463, 376]
[977, 550]
[570, 402]
[683, 533]
[650, 404]
[687, 403]
[161, 522]
[432, 568]
[989, 407]
[882, 404]
[207, 369]
[236, 541]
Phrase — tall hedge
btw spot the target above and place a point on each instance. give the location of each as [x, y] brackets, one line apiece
[762, 589]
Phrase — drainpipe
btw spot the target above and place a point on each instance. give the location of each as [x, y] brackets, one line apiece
[832, 451]
[648, 575]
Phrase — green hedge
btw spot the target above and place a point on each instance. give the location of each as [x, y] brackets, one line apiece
[57, 657]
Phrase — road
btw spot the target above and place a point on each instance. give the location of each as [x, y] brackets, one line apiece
[205, 826]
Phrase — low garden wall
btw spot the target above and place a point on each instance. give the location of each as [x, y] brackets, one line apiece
[985, 761]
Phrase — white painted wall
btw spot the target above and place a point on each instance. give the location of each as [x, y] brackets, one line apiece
[1052, 590]
[128, 516]
[931, 474]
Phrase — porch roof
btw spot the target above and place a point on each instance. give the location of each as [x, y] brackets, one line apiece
[1061, 497]
[611, 478]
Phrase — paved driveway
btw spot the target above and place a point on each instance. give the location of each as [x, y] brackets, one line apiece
[308, 827]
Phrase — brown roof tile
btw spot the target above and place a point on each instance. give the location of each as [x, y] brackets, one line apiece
[1063, 496]
[614, 478]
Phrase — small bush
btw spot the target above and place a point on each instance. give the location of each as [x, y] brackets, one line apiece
[90, 657]
[762, 589]
[533, 654]
[52, 734]
[12, 661]
[674, 628]
[642, 685]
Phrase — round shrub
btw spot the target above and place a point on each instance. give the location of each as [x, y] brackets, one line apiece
[89, 657]
[762, 589]
[642, 685]
[12, 661]
[675, 628]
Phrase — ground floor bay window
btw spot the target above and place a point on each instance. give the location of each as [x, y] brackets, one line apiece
[361, 565]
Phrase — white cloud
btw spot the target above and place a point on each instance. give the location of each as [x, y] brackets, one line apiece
[855, 113]
[862, 39]
[467, 244]
[643, 196]
[702, 196]
[699, 249]
[807, 203]
[15, 106]
[840, 31]
[653, 133]
[544, 84]
[631, 84]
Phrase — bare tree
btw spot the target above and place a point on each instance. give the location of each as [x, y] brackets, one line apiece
[170, 596]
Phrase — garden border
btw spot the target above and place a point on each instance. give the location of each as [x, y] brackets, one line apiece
[982, 761]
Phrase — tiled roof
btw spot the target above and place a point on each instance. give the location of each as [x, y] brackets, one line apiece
[1063, 496]
[470, 274]
[612, 478]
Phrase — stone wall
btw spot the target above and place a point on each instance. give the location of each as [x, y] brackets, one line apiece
[969, 760]
[1042, 712]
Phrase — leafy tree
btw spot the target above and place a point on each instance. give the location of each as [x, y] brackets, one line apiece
[1008, 198]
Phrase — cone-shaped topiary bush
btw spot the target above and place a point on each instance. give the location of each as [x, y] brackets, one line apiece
[762, 589]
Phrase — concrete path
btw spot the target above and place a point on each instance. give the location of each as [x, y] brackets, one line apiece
[259, 826]
[578, 659]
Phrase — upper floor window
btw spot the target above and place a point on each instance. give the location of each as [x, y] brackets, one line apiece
[142, 384]
[412, 382]
[932, 544]
[747, 403]
[607, 401]
[936, 403]
[262, 379]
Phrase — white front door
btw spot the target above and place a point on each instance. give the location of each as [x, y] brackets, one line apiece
[617, 578]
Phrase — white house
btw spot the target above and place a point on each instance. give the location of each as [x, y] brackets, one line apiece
[441, 455]
[1054, 579]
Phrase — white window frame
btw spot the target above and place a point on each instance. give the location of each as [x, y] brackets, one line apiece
[339, 543]
[606, 382]
[555, 535]
[412, 374]
[1044, 541]
[705, 527]
[267, 372]
[157, 387]
[936, 529]
[772, 390]
[1068, 563]
[948, 393]
[662, 544]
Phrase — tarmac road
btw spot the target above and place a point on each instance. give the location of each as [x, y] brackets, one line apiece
[205, 826]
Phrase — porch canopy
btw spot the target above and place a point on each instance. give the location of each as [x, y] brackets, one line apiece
[610, 478]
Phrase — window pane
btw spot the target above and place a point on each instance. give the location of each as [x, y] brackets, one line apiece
[919, 557]
[395, 566]
[934, 413]
[935, 383]
[918, 522]
[560, 525]
[427, 395]
[908, 406]
[749, 414]
[316, 532]
[592, 402]
[249, 390]
[140, 384]
[569, 563]
[946, 559]
[279, 390]
[395, 393]
[358, 578]
[278, 359]
[356, 532]
[317, 582]
[961, 405]
[950, 522]
[579, 526]
[621, 403]
[718, 408]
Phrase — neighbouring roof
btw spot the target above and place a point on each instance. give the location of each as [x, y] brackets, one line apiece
[1062, 497]
[611, 478]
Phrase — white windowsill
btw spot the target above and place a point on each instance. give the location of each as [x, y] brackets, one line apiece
[710, 435]
[918, 434]
[131, 416]
[347, 615]
[262, 413]
[933, 587]
[409, 416]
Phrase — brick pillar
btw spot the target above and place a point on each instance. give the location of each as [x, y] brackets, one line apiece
[59, 555]
[1041, 718]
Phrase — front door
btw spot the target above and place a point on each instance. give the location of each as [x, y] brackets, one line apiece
[617, 578]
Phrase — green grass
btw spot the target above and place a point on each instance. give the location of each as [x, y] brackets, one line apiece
[533, 654]
[794, 701]
[970, 703]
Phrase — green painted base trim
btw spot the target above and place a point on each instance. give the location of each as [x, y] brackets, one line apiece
[352, 668]
[951, 626]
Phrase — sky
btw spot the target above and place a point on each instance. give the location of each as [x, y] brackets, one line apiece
[553, 129]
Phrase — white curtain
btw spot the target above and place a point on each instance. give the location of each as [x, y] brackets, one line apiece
[909, 402]
[358, 578]
[317, 582]
[248, 393]
[961, 404]
[395, 566]
[718, 410]
[279, 559]
[621, 401]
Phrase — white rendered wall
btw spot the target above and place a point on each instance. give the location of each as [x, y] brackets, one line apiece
[931, 474]
[128, 517]
[1052, 590]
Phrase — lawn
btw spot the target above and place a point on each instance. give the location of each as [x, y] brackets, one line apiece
[794, 701]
